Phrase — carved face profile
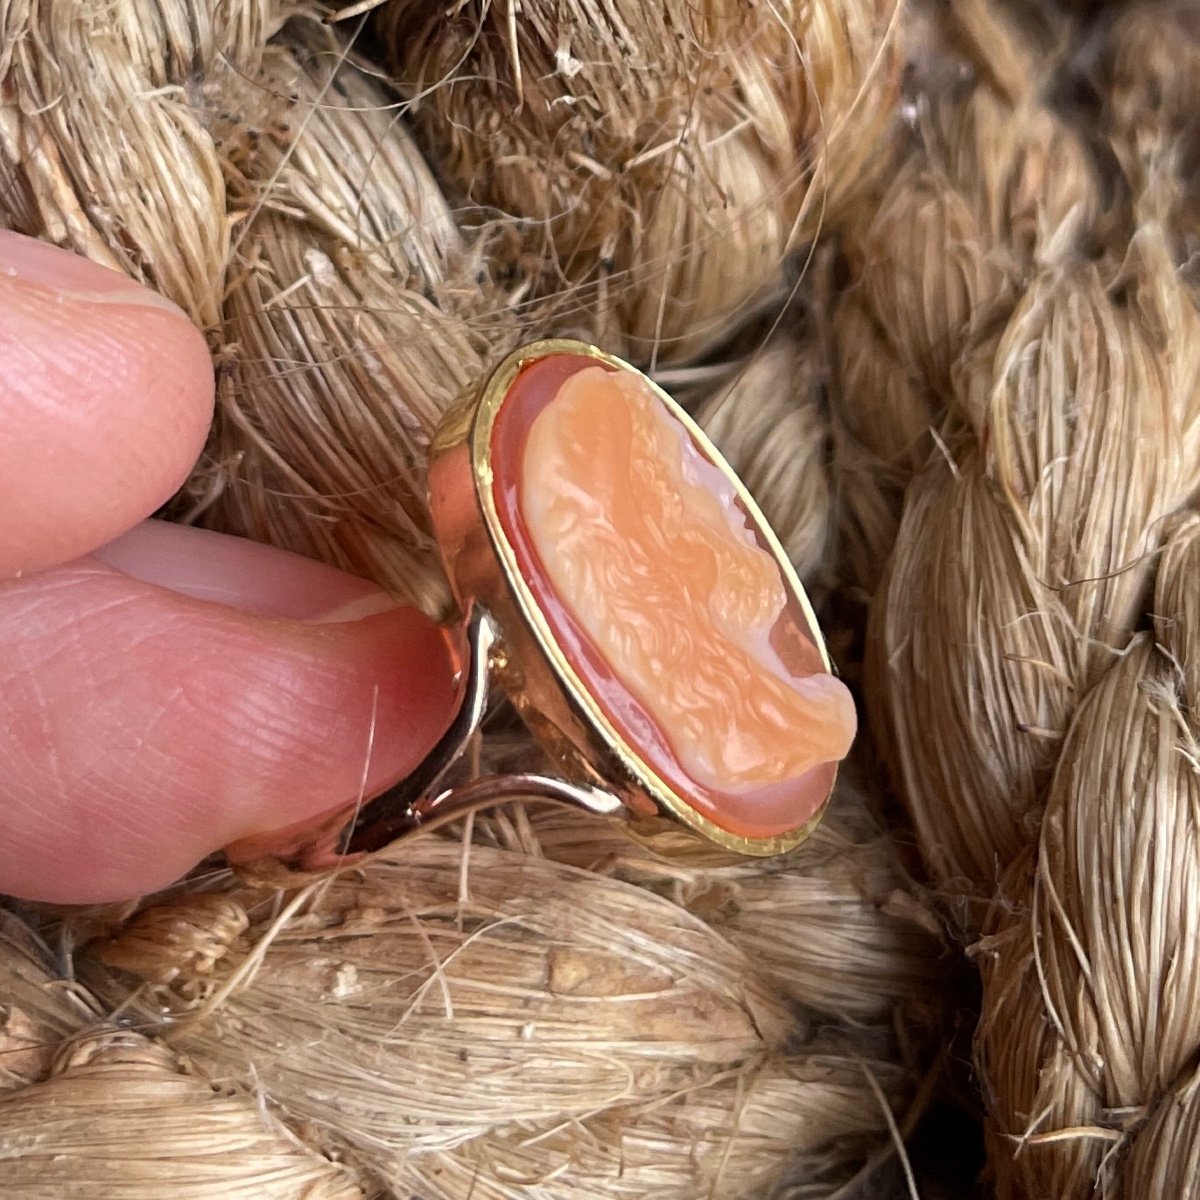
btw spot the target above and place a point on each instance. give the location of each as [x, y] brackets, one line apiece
[666, 596]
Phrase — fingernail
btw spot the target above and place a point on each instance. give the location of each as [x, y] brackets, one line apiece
[242, 574]
[25, 260]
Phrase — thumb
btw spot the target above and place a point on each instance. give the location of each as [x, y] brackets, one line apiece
[143, 728]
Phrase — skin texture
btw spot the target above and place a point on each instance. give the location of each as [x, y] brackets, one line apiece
[163, 691]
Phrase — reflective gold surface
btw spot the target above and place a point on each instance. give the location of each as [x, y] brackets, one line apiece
[536, 673]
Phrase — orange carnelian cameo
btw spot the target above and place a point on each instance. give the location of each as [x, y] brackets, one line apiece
[666, 600]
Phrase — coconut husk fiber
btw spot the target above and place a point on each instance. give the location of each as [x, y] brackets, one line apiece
[533, 1005]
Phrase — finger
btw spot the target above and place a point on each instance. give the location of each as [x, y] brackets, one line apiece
[240, 573]
[105, 401]
[142, 729]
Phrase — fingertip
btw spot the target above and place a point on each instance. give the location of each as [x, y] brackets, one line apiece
[105, 403]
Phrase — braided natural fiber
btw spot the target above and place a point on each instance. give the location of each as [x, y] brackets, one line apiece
[454, 1018]
[939, 256]
[1044, 745]
[657, 159]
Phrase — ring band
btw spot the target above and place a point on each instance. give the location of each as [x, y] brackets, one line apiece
[617, 582]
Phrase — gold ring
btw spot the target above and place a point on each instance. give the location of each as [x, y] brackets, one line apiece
[618, 583]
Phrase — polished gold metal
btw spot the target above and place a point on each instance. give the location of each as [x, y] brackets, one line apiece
[510, 643]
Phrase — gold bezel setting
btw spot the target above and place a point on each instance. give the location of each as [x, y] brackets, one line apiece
[474, 428]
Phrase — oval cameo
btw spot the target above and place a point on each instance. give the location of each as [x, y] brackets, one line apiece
[665, 597]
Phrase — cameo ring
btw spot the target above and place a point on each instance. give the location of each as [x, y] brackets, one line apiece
[616, 581]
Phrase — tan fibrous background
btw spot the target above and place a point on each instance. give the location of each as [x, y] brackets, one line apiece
[1030, 665]
[924, 272]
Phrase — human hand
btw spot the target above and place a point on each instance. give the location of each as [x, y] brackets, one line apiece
[171, 691]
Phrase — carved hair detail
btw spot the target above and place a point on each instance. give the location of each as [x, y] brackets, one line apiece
[644, 541]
